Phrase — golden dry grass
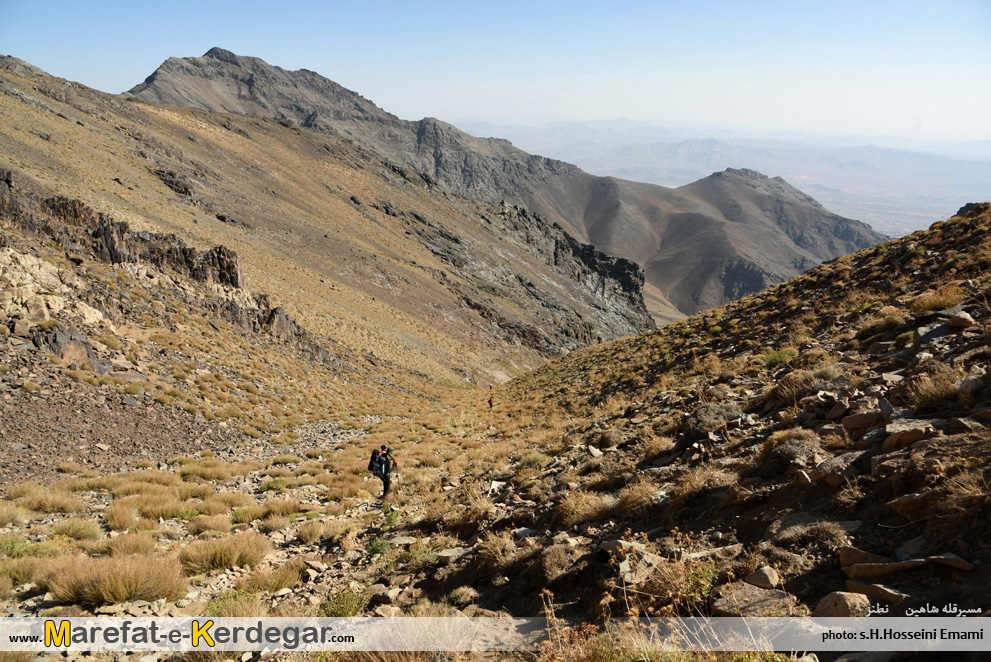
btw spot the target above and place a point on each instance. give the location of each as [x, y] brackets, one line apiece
[112, 580]
[241, 549]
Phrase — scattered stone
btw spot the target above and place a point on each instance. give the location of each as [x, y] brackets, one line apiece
[951, 560]
[906, 431]
[913, 507]
[962, 320]
[448, 556]
[876, 591]
[742, 599]
[842, 604]
[763, 577]
[850, 555]
[837, 470]
[863, 420]
[872, 570]
[387, 611]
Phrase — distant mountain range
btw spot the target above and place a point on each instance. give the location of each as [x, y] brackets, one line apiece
[896, 190]
[701, 245]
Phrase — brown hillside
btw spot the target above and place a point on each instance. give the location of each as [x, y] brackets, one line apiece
[362, 251]
[702, 245]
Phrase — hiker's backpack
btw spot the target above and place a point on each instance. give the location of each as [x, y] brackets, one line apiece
[381, 464]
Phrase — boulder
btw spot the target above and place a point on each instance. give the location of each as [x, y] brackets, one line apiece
[962, 320]
[907, 431]
[842, 604]
[850, 555]
[872, 570]
[863, 420]
[763, 577]
[837, 470]
[913, 507]
[876, 591]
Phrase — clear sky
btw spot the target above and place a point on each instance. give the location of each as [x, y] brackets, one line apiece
[909, 69]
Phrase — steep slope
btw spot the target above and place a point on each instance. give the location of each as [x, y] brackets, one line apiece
[829, 434]
[672, 230]
[359, 249]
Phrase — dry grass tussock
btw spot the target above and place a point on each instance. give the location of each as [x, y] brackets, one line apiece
[78, 529]
[287, 575]
[242, 549]
[131, 544]
[44, 499]
[112, 580]
[221, 523]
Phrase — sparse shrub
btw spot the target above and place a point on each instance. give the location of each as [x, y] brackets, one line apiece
[274, 485]
[285, 458]
[710, 417]
[461, 596]
[247, 515]
[945, 296]
[282, 507]
[242, 549]
[419, 556]
[826, 373]
[778, 357]
[44, 499]
[343, 603]
[377, 545]
[793, 386]
[931, 393]
[497, 551]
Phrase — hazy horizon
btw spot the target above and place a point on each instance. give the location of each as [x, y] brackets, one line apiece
[914, 71]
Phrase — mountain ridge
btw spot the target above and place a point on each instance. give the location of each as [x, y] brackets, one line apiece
[493, 170]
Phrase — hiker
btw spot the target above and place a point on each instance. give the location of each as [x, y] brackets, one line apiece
[381, 464]
[490, 402]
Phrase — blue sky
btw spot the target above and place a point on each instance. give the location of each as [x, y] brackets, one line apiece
[919, 70]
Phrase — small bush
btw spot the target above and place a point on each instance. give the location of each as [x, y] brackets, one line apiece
[377, 545]
[273, 523]
[942, 298]
[461, 596]
[282, 507]
[344, 603]
[778, 357]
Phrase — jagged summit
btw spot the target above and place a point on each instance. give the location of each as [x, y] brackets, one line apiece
[223, 82]
[701, 245]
